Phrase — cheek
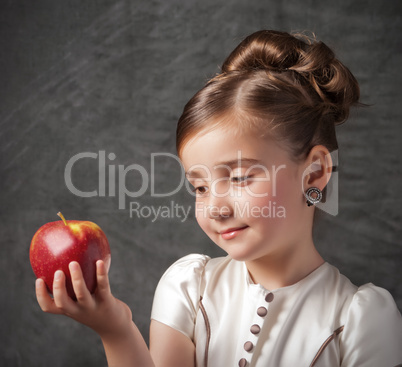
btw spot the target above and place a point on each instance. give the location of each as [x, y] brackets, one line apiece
[282, 197]
[289, 194]
[201, 215]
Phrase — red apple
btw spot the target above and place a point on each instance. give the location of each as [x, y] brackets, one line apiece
[56, 244]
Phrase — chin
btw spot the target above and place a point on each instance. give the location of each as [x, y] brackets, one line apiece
[238, 252]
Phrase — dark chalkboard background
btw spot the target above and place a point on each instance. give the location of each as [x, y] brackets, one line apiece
[113, 77]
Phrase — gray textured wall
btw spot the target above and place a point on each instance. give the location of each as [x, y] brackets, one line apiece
[113, 76]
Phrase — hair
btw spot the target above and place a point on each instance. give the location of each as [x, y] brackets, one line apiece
[290, 87]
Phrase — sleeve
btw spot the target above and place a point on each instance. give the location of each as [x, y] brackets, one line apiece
[372, 335]
[178, 292]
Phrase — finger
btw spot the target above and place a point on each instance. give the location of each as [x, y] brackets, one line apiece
[102, 278]
[80, 288]
[46, 302]
[61, 298]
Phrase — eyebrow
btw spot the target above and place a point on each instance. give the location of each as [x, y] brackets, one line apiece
[230, 164]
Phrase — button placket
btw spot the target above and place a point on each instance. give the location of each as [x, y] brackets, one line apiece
[255, 329]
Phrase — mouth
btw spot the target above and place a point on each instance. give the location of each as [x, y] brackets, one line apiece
[230, 233]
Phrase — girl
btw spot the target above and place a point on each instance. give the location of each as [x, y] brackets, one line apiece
[255, 143]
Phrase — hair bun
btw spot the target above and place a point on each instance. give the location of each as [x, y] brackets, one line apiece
[313, 61]
[264, 50]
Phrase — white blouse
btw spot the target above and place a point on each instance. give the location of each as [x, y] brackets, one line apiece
[323, 320]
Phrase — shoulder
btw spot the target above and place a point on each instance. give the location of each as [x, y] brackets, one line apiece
[352, 300]
[371, 296]
[192, 264]
[366, 319]
[193, 267]
[375, 302]
[375, 305]
[373, 329]
[184, 275]
[177, 295]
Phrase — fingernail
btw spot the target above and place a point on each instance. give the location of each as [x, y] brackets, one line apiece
[73, 266]
[58, 275]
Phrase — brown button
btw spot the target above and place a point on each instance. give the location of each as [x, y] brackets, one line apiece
[243, 362]
[255, 329]
[262, 311]
[248, 346]
[269, 297]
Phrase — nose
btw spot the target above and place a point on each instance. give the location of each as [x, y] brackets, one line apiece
[220, 206]
[219, 212]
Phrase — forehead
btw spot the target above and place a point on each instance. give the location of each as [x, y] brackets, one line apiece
[231, 121]
[224, 146]
[199, 170]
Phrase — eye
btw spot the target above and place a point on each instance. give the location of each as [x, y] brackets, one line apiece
[200, 190]
[240, 179]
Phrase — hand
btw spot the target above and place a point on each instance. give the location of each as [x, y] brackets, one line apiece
[100, 311]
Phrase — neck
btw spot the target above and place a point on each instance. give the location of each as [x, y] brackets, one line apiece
[286, 268]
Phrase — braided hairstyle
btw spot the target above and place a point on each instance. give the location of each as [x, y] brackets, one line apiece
[290, 87]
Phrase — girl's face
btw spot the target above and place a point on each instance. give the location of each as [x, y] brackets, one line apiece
[249, 197]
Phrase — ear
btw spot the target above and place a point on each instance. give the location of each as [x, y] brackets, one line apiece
[317, 168]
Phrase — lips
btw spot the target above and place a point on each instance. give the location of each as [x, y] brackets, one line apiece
[230, 233]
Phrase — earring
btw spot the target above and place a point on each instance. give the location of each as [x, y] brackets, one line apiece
[313, 196]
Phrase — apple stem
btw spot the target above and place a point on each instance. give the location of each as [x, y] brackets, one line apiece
[62, 217]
